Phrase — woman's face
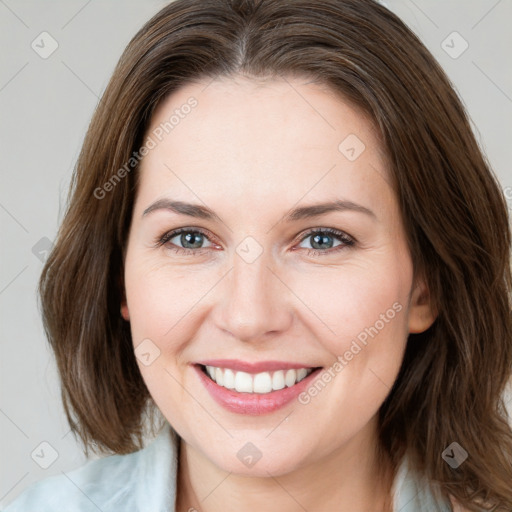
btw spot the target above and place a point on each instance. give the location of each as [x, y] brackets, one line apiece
[255, 277]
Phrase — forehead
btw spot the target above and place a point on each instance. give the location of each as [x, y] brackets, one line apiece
[283, 138]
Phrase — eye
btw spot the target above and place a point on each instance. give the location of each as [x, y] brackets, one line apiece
[187, 240]
[322, 241]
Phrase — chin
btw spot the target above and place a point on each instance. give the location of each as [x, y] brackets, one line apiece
[256, 460]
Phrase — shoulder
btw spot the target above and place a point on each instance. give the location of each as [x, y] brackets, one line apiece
[413, 492]
[112, 483]
[82, 489]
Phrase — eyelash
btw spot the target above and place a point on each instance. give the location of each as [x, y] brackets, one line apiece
[347, 240]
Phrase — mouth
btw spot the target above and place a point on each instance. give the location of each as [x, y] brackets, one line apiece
[262, 382]
[254, 392]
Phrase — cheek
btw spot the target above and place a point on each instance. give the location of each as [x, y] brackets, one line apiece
[161, 297]
[358, 301]
[363, 313]
[161, 304]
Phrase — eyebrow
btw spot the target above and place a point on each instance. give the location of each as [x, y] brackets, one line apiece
[302, 212]
[192, 210]
[315, 210]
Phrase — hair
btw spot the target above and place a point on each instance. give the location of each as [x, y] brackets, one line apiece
[451, 383]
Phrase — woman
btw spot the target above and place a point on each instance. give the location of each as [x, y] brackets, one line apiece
[363, 371]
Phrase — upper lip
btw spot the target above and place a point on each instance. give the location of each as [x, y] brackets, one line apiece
[253, 367]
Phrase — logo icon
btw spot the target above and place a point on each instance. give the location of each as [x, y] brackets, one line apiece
[455, 45]
[44, 45]
[351, 147]
[44, 455]
[249, 455]
[454, 455]
[147, 352]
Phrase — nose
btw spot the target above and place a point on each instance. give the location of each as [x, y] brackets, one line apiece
[255, 304]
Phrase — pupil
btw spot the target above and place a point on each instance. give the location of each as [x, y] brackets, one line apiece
[188, 238]
[321, 239]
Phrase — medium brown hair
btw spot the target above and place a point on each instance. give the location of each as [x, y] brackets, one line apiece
[451, 382]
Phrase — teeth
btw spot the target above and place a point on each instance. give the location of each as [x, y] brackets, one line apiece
[243, 381]
[219, 376]
[261, 383]
[301, 373]
[278, 380]
[290, 378]
[229, 379]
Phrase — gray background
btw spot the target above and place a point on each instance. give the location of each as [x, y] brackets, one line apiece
[46, 105]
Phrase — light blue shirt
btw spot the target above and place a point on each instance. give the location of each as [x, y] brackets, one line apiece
[145, 481]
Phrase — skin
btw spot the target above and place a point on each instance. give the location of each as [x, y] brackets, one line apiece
[251, 151]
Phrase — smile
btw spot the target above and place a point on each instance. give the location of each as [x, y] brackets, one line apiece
[262, 383]
[254, 388]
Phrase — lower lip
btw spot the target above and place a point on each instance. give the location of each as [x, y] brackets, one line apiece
[254, 403]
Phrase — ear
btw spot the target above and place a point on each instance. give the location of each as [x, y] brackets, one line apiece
[421, 314]
[124, 305]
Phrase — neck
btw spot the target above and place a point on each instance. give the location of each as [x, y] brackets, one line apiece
[353, 478]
